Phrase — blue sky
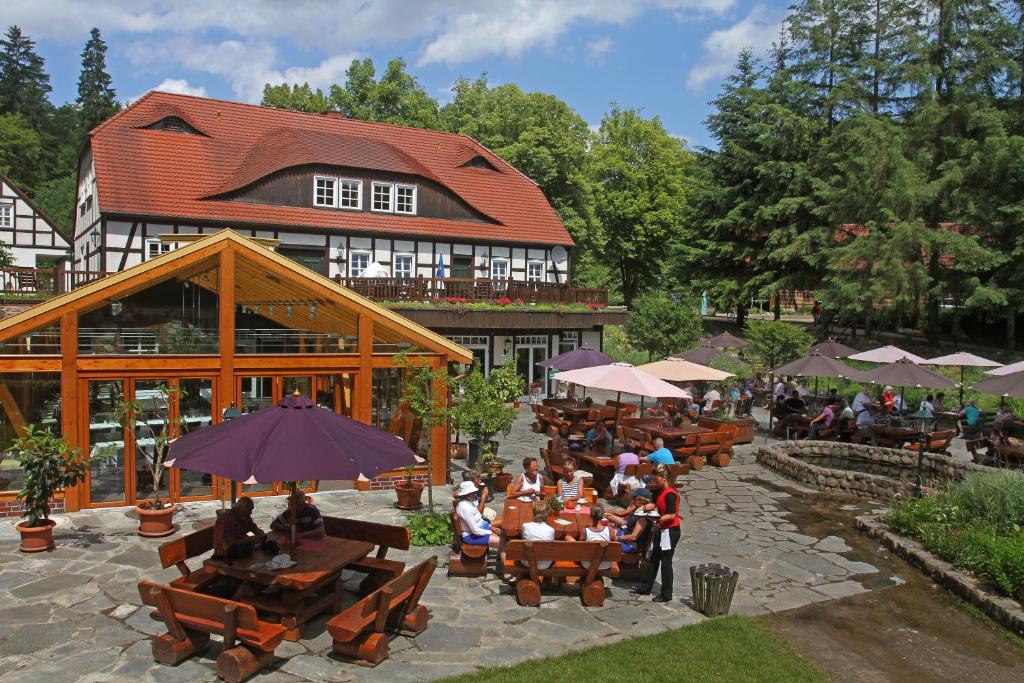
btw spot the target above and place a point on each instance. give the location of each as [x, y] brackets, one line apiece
[665, 57]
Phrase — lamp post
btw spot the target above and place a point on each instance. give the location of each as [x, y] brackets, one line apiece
[924, 418]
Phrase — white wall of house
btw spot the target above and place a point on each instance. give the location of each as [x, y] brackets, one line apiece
[27, 234]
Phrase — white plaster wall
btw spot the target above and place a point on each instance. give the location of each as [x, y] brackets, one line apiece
[591, 338]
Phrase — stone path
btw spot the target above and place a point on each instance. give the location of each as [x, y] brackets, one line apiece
[77, 615]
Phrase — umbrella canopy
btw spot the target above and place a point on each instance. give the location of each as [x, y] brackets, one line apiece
[963, 360]
[907, 373]
[1006, 369]
[818, 365]
[583, 357]
[679, 370]
[1004, 385]
[622, 377]
[702, 355]
[833, 349]
[295, 441]
[375, 270]
[727, 341]
[886, 354]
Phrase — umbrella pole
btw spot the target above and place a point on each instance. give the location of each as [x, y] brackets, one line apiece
[618, 411]
[291, 506]
[961, 386]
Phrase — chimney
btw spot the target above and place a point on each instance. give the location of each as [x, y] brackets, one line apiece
[334, 114]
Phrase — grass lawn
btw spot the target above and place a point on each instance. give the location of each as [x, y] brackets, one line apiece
[725, 649]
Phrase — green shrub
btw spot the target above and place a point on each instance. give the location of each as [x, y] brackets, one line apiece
[1006, 565]
[430, 529]
[994, 496]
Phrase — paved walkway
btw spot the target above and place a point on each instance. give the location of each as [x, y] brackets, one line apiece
[77, 615]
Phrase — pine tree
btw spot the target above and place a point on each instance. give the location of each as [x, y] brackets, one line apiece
[24, 83]
[891, 70]
[96, 96]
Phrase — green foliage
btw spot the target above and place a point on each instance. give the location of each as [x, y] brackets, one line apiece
[661, 326]
[56, 198]
[295, 96]
[977, 524]
[728, 363]
[152, 440]
[96, 97]
[775, 343]
[184, 337]
[20, 151]
[616, 344]
[484, 409]
[396, 97]
[430, 529]
[50, 464]
[24, 83]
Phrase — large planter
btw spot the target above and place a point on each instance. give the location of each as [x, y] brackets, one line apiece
[36, 539]
[744, 424]
[156, 522]
[409, 497]
[474, 452]
[502, 481]
[459, 450]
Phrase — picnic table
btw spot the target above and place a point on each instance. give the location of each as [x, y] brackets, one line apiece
[889, 436]
[306, 589]
[517, 513]
[599, 464]
[674, 433]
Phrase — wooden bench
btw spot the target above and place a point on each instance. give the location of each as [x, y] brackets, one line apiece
[554, 463]
[985, 458]
[191, 618]
[469, 559]
[633, 566]
[185, 548]
[377, 567]
[358, 632]
[565, 557]
[934, 442]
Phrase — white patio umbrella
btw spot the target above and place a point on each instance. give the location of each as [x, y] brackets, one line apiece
[886, 354]
[375, 270]
[1007, 369]
[964, 360]
[621, 377]
[680, 370]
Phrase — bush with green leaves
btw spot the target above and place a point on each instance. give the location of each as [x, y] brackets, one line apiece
[483, 408]
[50, 463]
[977, 524]
[661, 326]
[430, 529]
[774, 342]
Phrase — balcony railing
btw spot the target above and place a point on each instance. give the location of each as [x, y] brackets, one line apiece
[43, 282]
[476, 290]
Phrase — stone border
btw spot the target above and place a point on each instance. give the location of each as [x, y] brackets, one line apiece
[1007, 611]
[784, 458]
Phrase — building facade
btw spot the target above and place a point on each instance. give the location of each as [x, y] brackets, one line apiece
[454, 237]
[27, 232]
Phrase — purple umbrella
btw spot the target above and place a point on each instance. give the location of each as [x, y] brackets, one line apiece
[295, 441]
[577, 359]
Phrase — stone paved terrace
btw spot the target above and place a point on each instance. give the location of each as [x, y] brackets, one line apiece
[73, 614]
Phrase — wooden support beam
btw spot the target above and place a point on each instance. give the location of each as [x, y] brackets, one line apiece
[439, 434]
[70, 408]
[364, 380]
[226, 325]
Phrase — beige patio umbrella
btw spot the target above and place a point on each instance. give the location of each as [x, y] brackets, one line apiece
[680, 370]
[964, 360]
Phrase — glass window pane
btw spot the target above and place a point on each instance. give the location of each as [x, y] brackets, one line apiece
[106, 442]
[257, 393]
[25, 398]
[195, 411]
[37, 343]
[382, 196]
[350, 194]
[153, 399]
[323, 191]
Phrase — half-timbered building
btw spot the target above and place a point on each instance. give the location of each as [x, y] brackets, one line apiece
[28, 234]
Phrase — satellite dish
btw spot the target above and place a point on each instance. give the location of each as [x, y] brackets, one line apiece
[559, 255]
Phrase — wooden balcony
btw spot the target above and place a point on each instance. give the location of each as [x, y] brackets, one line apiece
[42, 283]
[470, 290]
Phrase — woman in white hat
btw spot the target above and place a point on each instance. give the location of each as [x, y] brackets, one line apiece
[475, 529]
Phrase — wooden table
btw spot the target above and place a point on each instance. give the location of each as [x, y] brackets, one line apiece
[517, 513]
[307, 588]
[600, 465]
[893, 437]
[673, 434]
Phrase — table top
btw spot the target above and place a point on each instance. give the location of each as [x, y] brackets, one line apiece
[673, 432]
[596, 459]
[311, 569]
[517, 513]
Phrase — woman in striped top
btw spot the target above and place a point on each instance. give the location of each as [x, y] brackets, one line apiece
[569, 487]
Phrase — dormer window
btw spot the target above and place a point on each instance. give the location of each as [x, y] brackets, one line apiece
[382, 197]
[394, 198]
[337, 193]
[480, 162]
[405, 199]
[174, 124]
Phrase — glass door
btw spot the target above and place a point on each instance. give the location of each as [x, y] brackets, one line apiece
[195, 411]
[527, 357]
[154, 401]
[108, 473]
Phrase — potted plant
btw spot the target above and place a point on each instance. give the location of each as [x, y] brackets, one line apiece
[555, 506]
[499, 479]
[484, 411]
[150, 420]
[409, 492]
[49, 464]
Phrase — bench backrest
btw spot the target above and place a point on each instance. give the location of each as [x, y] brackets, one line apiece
[592, 552]
[383, 535]
[372, 612]
[940, 439]
[188, 546]
[210, 614]
[713, 443]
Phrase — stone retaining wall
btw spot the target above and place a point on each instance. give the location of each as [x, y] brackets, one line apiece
[1000, 608]
[858, 470]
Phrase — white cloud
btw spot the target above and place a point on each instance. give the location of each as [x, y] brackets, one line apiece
[180, 86]
[756, 31]
[598, 49]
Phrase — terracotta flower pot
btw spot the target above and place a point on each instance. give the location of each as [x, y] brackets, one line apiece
[409, 498]
[459, 450]
[502, 481]
[36, 539]
[156, 522]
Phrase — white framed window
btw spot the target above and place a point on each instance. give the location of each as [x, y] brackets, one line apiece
[358, 261]
[403, 266]
[324, 191]
[350, 194]
[499, 269]
[6, 215]
[382, 198]
[568, 341]
[156, 247]
[405, 199]
[534, 271]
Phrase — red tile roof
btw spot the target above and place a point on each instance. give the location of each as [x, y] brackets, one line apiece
[146, 172]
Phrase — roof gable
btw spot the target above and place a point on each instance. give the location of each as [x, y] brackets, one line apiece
[183, 176]
[35, 208]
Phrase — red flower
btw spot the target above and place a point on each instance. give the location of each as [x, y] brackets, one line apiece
[504, 301]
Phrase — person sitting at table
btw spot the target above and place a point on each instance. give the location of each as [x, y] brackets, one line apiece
[779, 391]
[631, 526]
[231, 531]
[845, 411]
[899, 404]
[861, 400]
[308, 522]
[710, 397]
[538, 530]
[599, 530]
[475, 529]
[939, 405]
[795, 403]
[821, 421]
[482, 496]
[598, 436]
[569, 487]
[865, 419]
[560, 441]
[886, 399]
[622, 461]
[927, 404]
[999, 426]
[969, 418]
[802, 390]
[529, 485]
[661, 455]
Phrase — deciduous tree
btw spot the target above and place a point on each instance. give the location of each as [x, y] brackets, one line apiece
[661, 326]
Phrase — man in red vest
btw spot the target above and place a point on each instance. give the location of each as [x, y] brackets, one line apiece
[666, 502]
